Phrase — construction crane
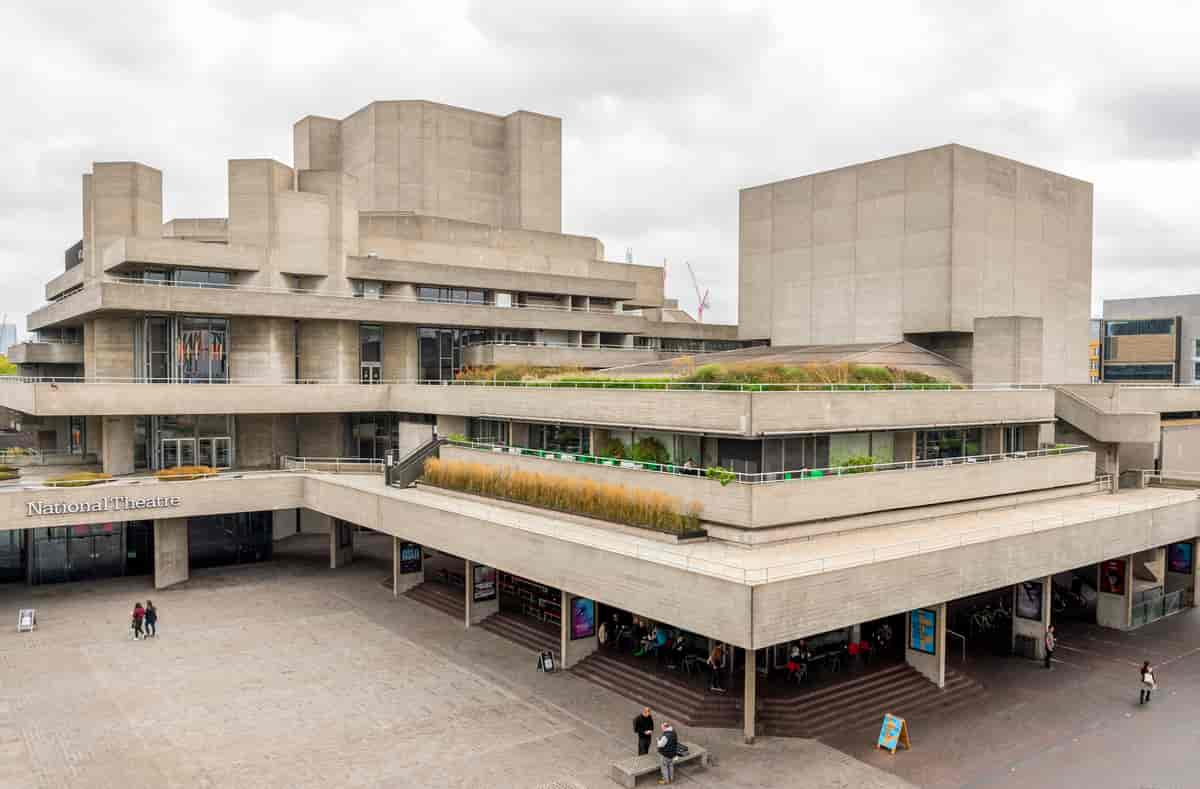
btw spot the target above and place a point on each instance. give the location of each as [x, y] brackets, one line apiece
[702, 302]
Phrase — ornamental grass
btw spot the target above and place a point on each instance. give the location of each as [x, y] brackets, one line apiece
[648, 509]
[185, 472]
[78, 479]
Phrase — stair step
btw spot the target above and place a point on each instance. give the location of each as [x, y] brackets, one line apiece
[842, 690]
[520, 632]
[667, 696]
[436, 599]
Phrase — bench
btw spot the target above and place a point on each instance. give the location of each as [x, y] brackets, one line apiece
[627, 771]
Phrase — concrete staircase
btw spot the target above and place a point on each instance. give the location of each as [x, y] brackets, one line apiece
[856, 707]
[671, 696]
[521, 631]
[443, 598]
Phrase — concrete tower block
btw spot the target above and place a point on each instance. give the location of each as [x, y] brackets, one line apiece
[1007, 350]
[341, 227]
[121, 199]
[533, 180]
[255, 186]
[316, 143]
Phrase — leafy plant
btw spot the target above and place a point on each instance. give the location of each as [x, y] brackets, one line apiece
[185, 472]
[650, 450]
[636, 507]
[614, 448]
[858, 464]
[458, 438]
[722, 475]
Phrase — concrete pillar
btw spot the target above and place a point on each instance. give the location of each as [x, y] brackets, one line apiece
[749, 695]
[116, 445]
[407, 567]
[170, 552]
[572, 650]
[1114, 466]
[488, 603]
[1035, 628]
[341, 544]
[1114, 607]
[932, 664]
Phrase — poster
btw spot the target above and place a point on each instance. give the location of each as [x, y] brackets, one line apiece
[893, 733]
[583, 618]
[922, 635]
[1112, 576]
[1029, 600]
[483, 583]
[410, 558]
[1179, 557]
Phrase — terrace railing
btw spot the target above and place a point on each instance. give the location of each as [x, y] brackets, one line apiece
[724, 476]
[335, 465]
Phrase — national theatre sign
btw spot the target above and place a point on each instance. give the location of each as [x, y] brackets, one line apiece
[105, 504]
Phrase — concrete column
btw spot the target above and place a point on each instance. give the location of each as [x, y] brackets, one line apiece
[477, 610]
[571, 651]
[1035, 628]
[402, 581]
[170, 552]
[116, 445]
[341, 544]
[1115, 610]
[749, 695]
[1114, 466]
[932, 666]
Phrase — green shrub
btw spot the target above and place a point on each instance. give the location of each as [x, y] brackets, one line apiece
[722, 475]
[78, 479]
[614, 448]
[650, 450]
[858, 464]
[458, 438]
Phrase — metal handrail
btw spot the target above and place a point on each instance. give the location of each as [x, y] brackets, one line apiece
[581, 383]
[362, 465]
[547, 344]
[718, 474]
[962, 638]
[342, 294]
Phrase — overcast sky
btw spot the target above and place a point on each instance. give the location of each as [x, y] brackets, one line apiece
[668, 107]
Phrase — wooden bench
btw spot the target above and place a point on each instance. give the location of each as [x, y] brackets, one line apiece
[627, 771]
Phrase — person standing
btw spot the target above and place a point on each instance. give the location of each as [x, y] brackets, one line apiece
[139, 614]
[151, 620]
[1051, 642]
[668, 749]
[715, 660]
[643, 727]
[1148, 683]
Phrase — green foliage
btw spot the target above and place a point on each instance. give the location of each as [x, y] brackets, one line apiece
[78, 479]
[858, 464]
[650, 450]
[614, 448]
[7, 367]
[722, 475]
[458, 438]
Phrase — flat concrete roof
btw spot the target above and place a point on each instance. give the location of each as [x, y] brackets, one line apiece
[759, 564]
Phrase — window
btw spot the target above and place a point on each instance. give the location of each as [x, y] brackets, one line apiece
[370, 353]
[1148, 326]
[941, 444]
[186, 277]
[560, 438]
[487, 431]
[366, 289]
[201, 350]
[1139, 372]
[454, 295]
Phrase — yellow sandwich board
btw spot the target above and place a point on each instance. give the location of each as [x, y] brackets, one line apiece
[893, 733]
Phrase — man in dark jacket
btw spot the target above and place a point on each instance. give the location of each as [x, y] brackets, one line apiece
[668, 749]
[643, 727]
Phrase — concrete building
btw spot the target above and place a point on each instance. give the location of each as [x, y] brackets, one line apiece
[8, 337]
[306, 348]
[922, 246]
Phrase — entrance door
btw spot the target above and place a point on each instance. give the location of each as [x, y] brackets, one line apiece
[178, 452]
[94, 552]
[214, 452]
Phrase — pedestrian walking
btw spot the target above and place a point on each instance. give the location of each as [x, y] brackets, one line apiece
[151, 620]
[139, 614]
[668, 749]
[643, 727]
[1051, 642]
[1148, 684]
[715, 659]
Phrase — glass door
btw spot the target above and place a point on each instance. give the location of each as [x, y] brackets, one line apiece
[215, 451]
[178, 452]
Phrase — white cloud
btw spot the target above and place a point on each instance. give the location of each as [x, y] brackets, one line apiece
[668, 107]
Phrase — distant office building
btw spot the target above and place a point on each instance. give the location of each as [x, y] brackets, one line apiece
[1151, 339]
[8, 336]
[1094, 350]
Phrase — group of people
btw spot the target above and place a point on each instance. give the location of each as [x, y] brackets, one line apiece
[145, 621]
[667, 744]
[668, 644]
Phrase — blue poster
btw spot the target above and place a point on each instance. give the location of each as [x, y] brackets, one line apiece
[922, 635]
[1179, 557]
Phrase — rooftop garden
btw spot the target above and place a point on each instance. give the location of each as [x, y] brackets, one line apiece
[743, 376]
[646, 509]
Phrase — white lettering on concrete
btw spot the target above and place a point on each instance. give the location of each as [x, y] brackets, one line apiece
[104, 504]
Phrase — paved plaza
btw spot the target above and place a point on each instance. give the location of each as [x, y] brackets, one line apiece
[290, 674]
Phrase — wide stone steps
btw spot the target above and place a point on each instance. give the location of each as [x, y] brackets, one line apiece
[671, 697]
[441, 597]
[521, 631]
[859, 705]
